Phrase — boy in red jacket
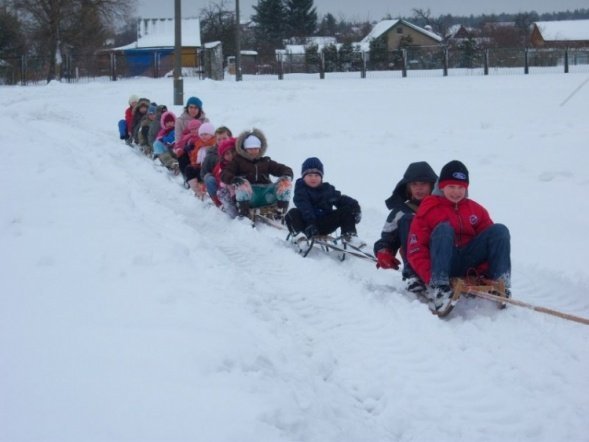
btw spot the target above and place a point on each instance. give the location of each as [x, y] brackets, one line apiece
[452, 234]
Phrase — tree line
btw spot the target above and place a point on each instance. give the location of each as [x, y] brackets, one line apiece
[54, 29]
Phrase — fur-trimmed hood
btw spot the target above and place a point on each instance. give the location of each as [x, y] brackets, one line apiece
[241, 151]
[418, 171]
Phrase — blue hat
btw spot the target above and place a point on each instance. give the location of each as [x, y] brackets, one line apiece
[152, 109]
[194, 101]
[312, 165]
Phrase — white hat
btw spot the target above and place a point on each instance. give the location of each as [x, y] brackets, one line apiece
[252, 142]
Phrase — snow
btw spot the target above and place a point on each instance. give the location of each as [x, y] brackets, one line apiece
[131, 311]
[160, 32]
[564, 30]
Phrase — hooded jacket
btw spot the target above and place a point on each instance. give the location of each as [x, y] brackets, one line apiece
[256, 169]
[399, 204]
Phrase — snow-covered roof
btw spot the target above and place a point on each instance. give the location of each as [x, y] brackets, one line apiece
[564, 30]
[383, 26]
[160, 32]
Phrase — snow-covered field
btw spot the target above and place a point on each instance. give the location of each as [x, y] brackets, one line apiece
[129, 311]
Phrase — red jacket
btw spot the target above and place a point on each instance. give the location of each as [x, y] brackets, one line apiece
[129, 119]
[467, 218]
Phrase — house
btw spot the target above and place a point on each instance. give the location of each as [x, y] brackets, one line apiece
[560, 34]
[396, 32]
[155, 45]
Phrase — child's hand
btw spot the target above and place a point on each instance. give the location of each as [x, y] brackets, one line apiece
[386, 260]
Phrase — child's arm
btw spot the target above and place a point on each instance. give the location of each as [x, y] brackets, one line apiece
[418, 248]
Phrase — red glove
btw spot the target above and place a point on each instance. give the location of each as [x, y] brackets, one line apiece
[386, 260]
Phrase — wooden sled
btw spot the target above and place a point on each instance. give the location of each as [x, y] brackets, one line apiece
[474, 286]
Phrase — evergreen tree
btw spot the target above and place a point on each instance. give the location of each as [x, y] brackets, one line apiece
[312, 59]
[330, 57]
[328, 26]
[301, 18]
[378, 53]
[270, 20]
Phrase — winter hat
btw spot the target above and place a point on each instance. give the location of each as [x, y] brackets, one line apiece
[206, 128]
[226, 145]
[454, 172]
[194, 124]
[252, 142]
[194, 101]
[312, 165]
[167, 116]
[152, 109]
[133, 99]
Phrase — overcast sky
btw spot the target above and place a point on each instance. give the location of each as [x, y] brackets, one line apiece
[376, 9]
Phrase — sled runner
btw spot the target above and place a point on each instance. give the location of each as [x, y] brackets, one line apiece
[474, 286]
[328, 243]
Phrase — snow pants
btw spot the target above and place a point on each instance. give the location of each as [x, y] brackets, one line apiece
[342, 218]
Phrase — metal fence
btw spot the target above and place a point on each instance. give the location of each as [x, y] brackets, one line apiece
[411, 62]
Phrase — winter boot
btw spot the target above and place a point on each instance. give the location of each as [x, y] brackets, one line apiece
[243, 209]
[352, 239]
[217, 201]
[415, 285]
[441, 295]
[281, 209]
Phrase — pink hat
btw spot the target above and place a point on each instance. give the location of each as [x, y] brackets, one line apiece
[206, 128]
[226, 145]
[193, 124]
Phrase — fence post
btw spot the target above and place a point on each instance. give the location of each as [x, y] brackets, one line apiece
[113, 66]
[445, 61]
[363, 69]
[526, 62]
[281, 68]
[322, 66]
[486, 61]
[404, 61]
[23, 70]
[566, 60]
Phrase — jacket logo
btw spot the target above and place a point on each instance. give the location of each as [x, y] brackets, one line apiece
[473, 219]
[413, 238]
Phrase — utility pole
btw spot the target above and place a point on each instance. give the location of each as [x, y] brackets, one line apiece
[237, 43]
[178, 80]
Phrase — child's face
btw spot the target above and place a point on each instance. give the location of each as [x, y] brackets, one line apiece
[206, 137]
[228, 156]
[419, 189]
[221, 136]
[169, 124]
[254, 151]
[454, 192]
[312, 179]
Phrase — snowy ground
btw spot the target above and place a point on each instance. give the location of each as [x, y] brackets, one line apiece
[130, 311]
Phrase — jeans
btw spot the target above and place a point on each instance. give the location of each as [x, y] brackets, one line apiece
[491, 246]
[211, 185]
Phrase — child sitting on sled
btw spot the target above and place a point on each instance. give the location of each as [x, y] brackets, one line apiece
[126, 125]
[250, 172]
[315, 201]
[452, 235]
[417, 183]
[164, 142]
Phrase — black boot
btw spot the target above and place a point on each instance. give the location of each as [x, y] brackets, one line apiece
[243, 209]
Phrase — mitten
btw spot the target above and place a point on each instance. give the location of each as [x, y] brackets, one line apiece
[386, 260]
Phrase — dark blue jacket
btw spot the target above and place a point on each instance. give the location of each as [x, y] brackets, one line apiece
[399, 205]
[316, 202]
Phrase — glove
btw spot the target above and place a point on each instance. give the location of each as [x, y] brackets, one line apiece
[357, 217]
[386, 260]
[311, 231]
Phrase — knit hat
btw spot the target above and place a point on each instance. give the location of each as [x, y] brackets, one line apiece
[194, 124]
[194, 101]
[454, 172]
[152, 109]
[133, 99]
[226, 145]
[252, 142]
[312, 165]
[206, 128]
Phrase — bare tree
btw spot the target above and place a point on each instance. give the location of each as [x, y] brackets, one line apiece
[218, 24]
[56, 26]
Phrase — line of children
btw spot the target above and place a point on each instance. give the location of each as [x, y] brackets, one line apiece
[438, 231]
